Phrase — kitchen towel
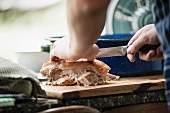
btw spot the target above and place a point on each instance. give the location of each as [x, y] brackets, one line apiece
[17, 79]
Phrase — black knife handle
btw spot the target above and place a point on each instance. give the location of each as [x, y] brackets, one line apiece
[146, 48]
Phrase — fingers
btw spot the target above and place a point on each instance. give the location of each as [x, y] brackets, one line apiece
[135, 44]
[53, 56]
[137, 34]
[59, 50]
[62, 50]
[159, 53]
[130, 54]
[147, 56]
[131, 57]
[92, 53]
[152, 55]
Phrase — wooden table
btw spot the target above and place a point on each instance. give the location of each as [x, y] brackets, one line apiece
[144, 94]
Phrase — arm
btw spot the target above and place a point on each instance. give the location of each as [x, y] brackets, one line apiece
[86, 19]
[146, 35]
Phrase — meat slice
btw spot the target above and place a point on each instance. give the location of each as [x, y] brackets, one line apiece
[84, 73]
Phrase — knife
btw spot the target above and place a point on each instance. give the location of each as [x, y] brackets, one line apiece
[122, 50]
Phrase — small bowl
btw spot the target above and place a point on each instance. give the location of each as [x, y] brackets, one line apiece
[31, 60]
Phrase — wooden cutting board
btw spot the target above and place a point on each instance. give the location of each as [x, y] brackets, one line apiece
[123, 85]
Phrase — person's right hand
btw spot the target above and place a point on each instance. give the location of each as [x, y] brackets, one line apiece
[146, 35]
[64, 49]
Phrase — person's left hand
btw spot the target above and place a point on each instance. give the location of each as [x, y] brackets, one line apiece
[63, 49]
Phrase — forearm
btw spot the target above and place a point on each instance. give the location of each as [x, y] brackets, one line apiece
[86, 19]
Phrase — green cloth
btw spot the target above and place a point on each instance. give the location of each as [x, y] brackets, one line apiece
[16, 79]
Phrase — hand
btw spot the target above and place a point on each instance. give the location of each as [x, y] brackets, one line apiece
[146, 35]
[64, 49]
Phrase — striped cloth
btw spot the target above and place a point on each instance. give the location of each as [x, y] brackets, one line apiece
[161, 16]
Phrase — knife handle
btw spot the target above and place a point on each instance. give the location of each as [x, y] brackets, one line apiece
[146, 48]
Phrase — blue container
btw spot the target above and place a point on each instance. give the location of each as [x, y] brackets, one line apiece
[120, 65]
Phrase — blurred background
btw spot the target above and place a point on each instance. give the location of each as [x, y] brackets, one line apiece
[25, 24]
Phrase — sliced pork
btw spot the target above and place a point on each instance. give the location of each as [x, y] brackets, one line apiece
[84, 73]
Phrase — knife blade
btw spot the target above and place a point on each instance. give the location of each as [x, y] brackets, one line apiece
[122, 50]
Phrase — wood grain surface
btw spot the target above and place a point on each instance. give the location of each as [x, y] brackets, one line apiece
[123, 85]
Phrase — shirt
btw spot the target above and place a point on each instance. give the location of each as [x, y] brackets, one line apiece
[161, 17]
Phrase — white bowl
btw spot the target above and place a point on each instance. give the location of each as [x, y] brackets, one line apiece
[31, 60]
